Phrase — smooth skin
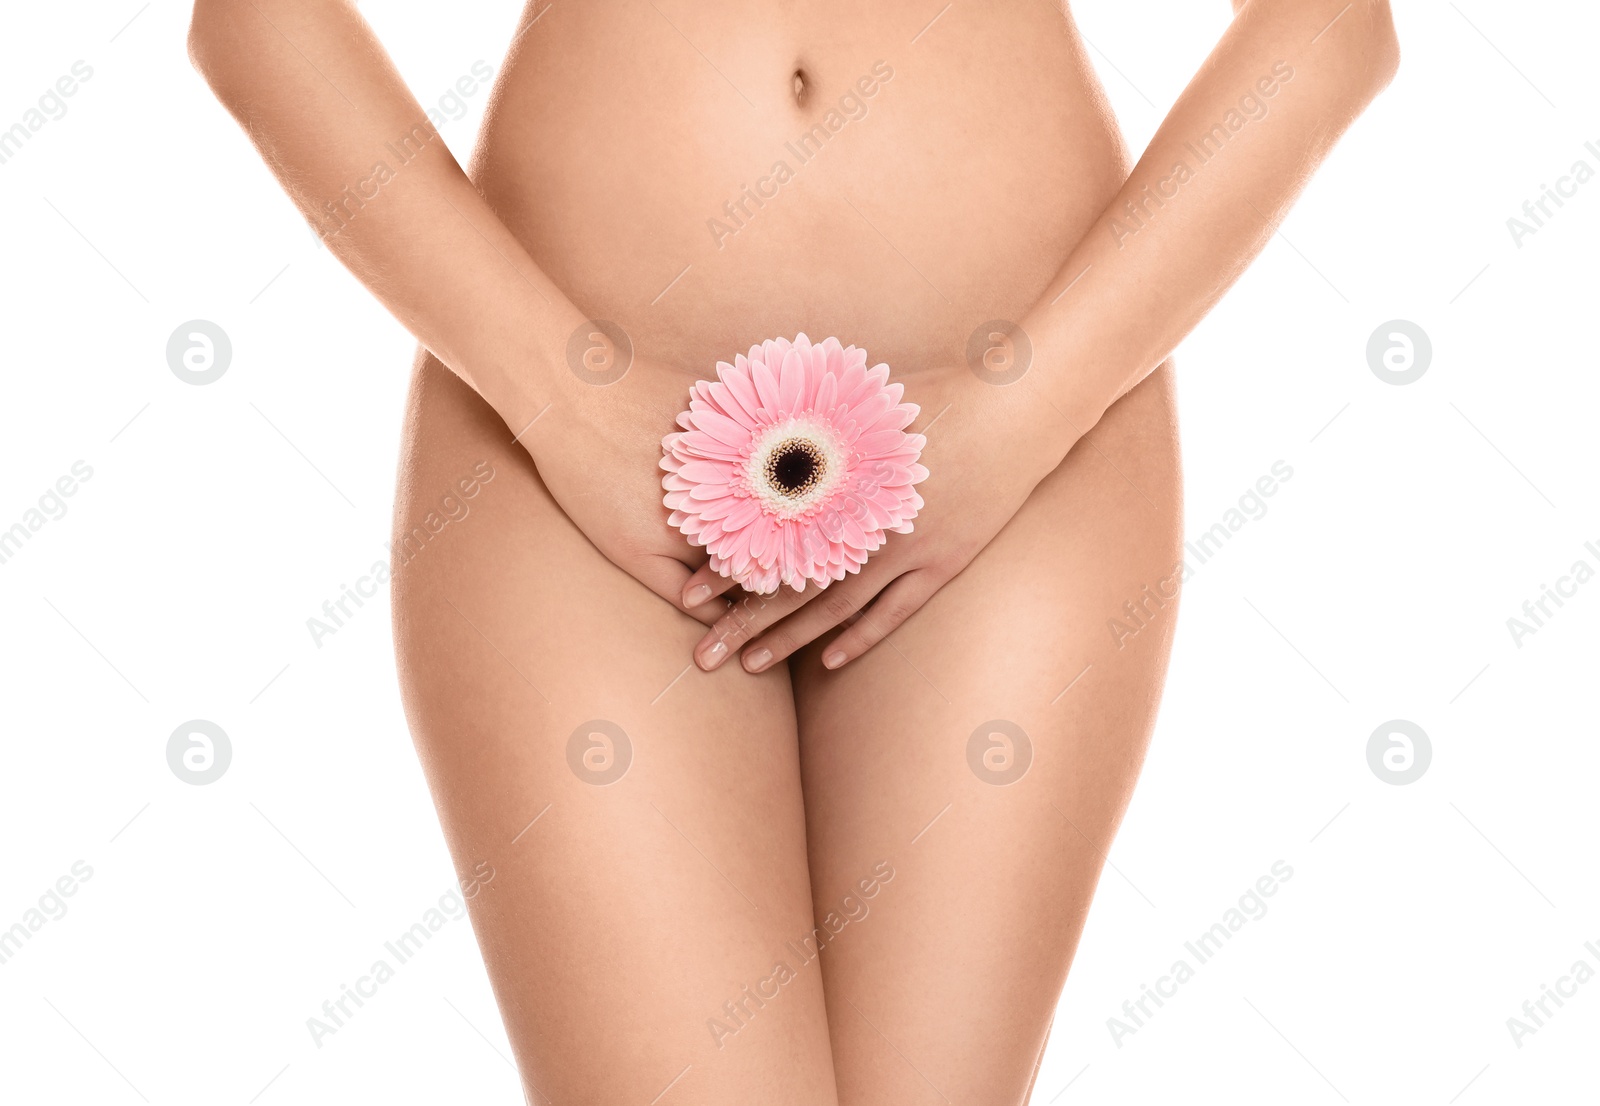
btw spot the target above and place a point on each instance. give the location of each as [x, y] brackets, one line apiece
[647, 937]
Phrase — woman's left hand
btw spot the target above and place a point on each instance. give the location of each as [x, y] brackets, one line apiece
[988, 447]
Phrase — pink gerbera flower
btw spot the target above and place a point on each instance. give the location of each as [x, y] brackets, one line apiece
[793, 466]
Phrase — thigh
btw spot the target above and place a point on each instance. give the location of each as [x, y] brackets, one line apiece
[964, 780]
[642, 820]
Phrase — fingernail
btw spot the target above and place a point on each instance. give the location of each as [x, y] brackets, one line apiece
[714, 656]
[697, 595]
[757, 659]
[834, 659]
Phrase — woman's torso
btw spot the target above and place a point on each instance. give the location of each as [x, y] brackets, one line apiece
[932, 173]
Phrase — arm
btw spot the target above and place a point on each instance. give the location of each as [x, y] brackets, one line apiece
[312, 87]
[1284, 82]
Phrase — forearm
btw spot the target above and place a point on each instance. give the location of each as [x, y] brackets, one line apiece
[316, 93]
[1222, 170]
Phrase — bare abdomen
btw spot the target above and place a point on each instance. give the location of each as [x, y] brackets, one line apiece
[661, 167]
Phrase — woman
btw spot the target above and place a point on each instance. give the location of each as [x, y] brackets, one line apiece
[852, 865]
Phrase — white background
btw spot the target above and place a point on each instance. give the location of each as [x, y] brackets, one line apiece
[218, 519]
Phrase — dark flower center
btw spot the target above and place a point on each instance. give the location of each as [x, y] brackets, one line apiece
[794, 467]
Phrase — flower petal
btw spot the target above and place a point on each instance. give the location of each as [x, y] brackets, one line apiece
[738, 380]
[791, 383]
[766, 382]
[722, 428]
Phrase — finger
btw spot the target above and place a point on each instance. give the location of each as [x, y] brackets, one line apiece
[742, 621]
[839, 604]
[898, 602]
[708, 612]
[704, 586]
[666, 576]
[752, 618]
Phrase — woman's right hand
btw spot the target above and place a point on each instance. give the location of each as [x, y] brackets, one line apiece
[597, 449]
[436, 254]
[314, 89]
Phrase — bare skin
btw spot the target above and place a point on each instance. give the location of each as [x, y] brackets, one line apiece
[624, 919]
[648, 936]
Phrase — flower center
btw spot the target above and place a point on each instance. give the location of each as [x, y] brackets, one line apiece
[794, 467]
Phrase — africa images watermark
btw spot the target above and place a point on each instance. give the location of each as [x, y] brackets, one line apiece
[52, 907]
[403, 151]
[448, 108]
[52, 105]
[453, 507]
[1537, 212]
[51, 507]
[852, 107]
[1252, 906]
[1566, 588]
[1535, 1012]
[1252, 106]
[450, 907]
[1144, 609]
[740, 1010]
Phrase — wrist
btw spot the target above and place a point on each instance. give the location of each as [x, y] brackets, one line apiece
[1067, 377]
[1014, 385]
[966, 409]
[542, 380]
